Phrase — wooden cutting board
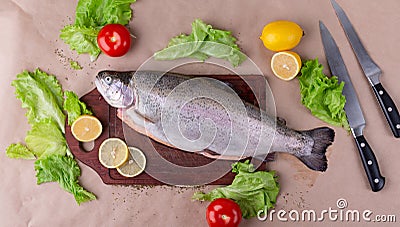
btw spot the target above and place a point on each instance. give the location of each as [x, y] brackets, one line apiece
[113, 127]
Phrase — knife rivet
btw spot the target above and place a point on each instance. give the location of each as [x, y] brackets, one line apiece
[362, 144]
[381, 92]
[390, 109]
[376, 180]
[369, 162]
[398, 126]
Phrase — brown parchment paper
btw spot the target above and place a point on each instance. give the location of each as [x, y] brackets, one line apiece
[29, 38]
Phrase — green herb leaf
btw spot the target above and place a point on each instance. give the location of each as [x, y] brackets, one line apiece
[74, 107]
[65, 171]
[75, 65]
[202, 43]
[42, 95]
[322, 95]
[252, 190]
[19, 151]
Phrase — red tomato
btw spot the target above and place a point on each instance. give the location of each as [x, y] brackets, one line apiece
[114, 40]
[223, 213]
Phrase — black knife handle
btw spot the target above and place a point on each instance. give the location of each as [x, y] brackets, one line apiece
[388, 108]
[371, 167]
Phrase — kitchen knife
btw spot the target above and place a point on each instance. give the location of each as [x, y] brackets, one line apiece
[371, 71]
[352, 108]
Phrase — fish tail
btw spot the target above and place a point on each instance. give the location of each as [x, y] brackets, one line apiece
[323, 137]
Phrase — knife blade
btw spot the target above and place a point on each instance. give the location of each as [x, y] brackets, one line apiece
[371, 71]
[352, 108]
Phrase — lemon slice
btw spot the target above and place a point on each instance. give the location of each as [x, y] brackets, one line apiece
[286, 64]
[86, 128]
[135, 165]
[113, 152]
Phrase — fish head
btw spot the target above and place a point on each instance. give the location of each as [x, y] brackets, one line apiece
[116, 89]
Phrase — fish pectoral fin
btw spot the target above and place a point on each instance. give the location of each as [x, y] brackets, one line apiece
[221, 157]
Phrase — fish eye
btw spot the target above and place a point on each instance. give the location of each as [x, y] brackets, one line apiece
[108, 79]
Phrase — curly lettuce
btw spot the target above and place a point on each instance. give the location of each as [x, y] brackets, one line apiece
[17, 150]
[65, 171]
[81, 39]
[46, 139]
[252, 190]
[202, 43]
[90, 17]
[42, 96]
[74, 107]
[322, 95]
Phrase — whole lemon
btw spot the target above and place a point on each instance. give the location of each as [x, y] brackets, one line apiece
[281, 35]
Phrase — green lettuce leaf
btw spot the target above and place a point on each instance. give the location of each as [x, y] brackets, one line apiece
[215, 49]
[252, 190]
[90, 17]
[322, 95]
[41, 94]
[202, 43]
[75, 65]
[65, 171]
[74, 107]
[95, 13]
[45, 139]
[17, 150]
[82, 39]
